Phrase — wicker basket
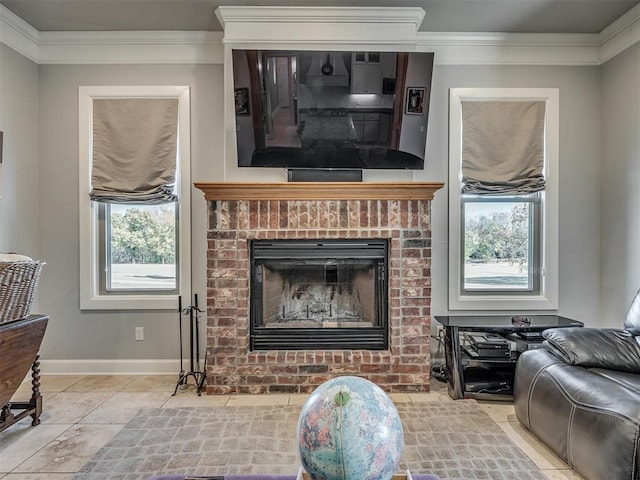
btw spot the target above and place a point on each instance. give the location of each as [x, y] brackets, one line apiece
[18, 283]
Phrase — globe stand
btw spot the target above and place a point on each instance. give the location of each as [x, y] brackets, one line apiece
[406, 475]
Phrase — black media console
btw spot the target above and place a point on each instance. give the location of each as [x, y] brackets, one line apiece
[481, 351]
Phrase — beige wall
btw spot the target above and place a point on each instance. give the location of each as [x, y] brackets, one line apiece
[579, 169]
[620, 185]
[19, 122]
[73, 334]
[110, 335]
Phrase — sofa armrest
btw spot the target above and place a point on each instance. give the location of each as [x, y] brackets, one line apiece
[594, 348]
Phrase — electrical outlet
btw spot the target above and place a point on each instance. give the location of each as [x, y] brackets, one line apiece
[439, 330]
[139, 333]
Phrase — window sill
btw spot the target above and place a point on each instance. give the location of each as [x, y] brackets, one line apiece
[503, 302]
[129, 302]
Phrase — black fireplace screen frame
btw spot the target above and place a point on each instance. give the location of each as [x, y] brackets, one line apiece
[375, 337]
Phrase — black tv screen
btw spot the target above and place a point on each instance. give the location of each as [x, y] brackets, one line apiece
[332, 109]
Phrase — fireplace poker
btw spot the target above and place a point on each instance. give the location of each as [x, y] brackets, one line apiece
[191, 338]
[197, 315]
[181, 376]
[201, 374]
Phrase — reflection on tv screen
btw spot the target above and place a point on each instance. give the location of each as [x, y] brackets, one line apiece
[332, 110]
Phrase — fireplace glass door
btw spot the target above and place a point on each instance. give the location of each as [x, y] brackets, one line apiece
[318, 294]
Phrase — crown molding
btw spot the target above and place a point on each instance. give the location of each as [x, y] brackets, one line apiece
[306, 27]
[19, 35]
[510, 48]
[324, 27]
[175, 47]
[407, 16]
[620, 34]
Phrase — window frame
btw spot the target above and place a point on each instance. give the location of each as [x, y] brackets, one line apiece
[546, 298]
[91, 296]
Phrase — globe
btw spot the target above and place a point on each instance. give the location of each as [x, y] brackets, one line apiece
[349, 429]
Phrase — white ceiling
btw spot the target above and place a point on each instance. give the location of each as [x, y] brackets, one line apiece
[518, 16]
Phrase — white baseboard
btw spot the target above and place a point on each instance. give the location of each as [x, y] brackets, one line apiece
[112, 367]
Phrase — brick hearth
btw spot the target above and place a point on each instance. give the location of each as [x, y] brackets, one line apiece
[271, 214]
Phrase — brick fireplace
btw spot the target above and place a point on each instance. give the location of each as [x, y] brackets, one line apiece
[242, 212]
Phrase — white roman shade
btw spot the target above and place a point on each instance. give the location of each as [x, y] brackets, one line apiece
[134, 150]
[502, 147]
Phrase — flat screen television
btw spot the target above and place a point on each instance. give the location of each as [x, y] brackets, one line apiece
[331, 110]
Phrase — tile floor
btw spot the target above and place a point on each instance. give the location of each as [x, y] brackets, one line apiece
[82, 413]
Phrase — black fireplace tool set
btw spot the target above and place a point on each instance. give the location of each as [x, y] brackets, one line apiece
[194, 347]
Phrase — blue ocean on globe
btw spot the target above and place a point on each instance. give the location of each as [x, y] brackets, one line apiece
[349, 429]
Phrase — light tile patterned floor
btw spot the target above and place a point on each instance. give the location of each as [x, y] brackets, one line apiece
[81, 414]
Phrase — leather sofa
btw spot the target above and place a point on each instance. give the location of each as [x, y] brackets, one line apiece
[580, 395]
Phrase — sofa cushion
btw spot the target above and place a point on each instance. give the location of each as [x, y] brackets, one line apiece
[632, 322]
[594, 348]
[584, 417]
[628, 380]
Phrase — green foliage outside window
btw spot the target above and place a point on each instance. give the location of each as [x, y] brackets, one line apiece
[498, 236]
[143, 235]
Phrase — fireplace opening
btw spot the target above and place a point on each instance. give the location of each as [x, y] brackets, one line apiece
[319, 294]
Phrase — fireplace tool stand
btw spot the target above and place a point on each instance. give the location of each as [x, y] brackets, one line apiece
[194, 347]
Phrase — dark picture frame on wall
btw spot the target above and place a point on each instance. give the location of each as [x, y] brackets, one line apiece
[415, 100]
[241, 96]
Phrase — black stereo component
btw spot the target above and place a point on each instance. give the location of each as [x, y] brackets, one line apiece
[530, 335]
[484, 380]
[524, 343]
[486, 345]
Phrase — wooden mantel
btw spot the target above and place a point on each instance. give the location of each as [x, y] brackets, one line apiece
[319, 190]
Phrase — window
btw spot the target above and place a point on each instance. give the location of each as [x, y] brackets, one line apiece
[140, 251]
[502, 235]
[134, 253]
[501, 244]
